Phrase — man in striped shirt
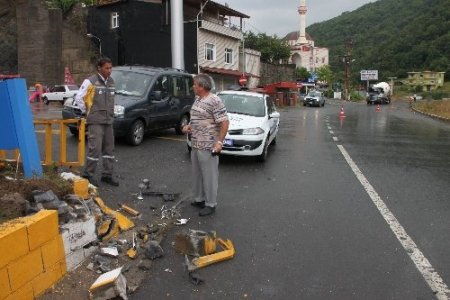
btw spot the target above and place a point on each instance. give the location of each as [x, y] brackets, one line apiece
[208, 128]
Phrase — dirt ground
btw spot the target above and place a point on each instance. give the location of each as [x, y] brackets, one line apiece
[13, 193]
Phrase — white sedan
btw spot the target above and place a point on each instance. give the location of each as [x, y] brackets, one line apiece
[60, 93]
[254, 123]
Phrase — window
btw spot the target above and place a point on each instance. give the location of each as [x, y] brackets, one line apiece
[114, 20]
[210, 51]
[228, 56]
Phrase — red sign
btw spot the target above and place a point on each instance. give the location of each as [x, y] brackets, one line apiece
[243, 80]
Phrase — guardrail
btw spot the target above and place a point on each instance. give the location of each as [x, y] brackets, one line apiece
[48, 148]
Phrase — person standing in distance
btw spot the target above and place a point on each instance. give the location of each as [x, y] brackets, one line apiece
[96, 99]
[208, 128]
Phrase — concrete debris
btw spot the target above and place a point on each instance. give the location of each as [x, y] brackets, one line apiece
[181, 221]
[109, 251]
[194, 278]
[195, 242]
[109, 285]
[153, 250]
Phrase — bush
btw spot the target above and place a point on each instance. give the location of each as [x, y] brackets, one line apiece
[329, 93]
[356, 96]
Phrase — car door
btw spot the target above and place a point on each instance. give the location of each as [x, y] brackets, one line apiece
[273, 116]
[160, 97]
[178, 98]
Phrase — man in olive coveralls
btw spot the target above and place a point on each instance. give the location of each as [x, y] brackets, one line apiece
[96, 99]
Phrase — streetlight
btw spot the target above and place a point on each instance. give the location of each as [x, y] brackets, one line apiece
[90, 35]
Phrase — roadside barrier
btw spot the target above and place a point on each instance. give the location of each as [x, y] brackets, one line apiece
[48, 148]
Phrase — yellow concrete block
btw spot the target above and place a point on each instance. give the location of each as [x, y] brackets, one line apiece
[25, 269]
[13, 241]
[63, 265]
[24, 293]
[46, 280]
[53, 252]
[41, 227]
[5, 289]
[81, 188]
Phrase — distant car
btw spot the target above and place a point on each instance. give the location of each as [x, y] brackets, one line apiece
[60, 93]
[147, 98]
[314, 98]
[254, 122]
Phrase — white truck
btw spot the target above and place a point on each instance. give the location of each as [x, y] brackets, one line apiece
[379, 93]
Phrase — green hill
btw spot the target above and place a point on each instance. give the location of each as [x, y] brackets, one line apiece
[391, 36]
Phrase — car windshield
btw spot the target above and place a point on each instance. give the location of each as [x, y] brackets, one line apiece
[314, 94]
[244, 104]
[73, 87]
[130, 83]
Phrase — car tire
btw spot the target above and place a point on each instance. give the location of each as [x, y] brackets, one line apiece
[135, 135]
[304, 104]
[73, 131]
[263, 156]
[184, 120]
[45, 100]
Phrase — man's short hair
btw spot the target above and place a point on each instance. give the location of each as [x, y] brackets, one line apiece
[102, 61]
[205, 81]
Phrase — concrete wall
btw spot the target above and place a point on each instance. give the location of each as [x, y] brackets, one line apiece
[276, 73]
[47, 43]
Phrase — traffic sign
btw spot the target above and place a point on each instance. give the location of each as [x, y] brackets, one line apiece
[369, 75]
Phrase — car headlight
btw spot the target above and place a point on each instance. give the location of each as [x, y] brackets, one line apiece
[253, 131]
[119, 111]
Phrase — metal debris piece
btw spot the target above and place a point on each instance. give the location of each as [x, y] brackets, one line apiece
[141, 188]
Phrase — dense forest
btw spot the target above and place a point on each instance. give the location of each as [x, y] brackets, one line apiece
[391, 36]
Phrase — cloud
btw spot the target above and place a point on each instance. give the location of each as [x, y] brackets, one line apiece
[281, 17]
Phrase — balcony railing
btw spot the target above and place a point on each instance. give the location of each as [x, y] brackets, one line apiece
[220, 29]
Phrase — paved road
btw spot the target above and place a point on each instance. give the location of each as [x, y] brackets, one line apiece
[353, 208]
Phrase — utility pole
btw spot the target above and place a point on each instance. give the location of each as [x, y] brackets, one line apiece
[347, 60]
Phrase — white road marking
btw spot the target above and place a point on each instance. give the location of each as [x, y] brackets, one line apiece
[331, 131]
[433, 279]
[329, 127]
[335, 139]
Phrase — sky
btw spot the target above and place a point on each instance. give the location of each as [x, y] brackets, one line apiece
[281, 16]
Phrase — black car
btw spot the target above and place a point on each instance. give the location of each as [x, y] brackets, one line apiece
[147, 98]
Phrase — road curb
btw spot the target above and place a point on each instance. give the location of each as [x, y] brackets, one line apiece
[431, 115]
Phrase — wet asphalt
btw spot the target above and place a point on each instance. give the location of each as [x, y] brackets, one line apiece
[302, 224]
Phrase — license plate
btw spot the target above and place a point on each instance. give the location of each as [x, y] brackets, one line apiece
[228, 142]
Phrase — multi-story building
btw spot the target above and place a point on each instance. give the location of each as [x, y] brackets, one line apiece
[139, 32]
[428, 80]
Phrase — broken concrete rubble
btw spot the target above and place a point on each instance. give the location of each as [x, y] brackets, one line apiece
[109, 285]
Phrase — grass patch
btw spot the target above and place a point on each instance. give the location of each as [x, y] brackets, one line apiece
[436, 107]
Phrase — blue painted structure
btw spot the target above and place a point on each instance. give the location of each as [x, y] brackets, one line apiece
[16, 125]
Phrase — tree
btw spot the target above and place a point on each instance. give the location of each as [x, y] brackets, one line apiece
[301, 74]
[273, 49]
[325, 74]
